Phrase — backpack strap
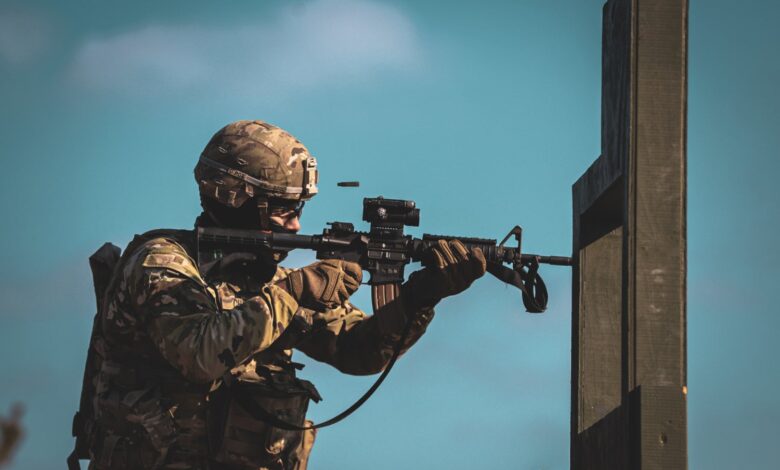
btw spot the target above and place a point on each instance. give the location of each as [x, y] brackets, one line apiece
[103, 263]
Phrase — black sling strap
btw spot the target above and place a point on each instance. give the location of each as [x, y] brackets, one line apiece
[385, 297]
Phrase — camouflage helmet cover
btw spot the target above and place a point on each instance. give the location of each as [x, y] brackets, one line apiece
[249, 158]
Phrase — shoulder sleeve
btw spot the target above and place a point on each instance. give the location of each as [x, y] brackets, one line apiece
[182, 317]
[359, 344]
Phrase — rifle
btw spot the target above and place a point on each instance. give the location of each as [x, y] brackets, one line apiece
[385, 250]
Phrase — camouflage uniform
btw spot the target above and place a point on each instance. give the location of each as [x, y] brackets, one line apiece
[170, 337]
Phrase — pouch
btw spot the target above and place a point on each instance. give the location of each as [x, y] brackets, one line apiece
[141, 433]
[240, 440]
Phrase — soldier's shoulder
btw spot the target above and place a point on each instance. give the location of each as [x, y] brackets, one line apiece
[162, 249]
[281, 273]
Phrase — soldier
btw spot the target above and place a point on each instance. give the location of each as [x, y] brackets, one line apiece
[178, 341]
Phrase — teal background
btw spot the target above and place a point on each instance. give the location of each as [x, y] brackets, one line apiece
[484, 113]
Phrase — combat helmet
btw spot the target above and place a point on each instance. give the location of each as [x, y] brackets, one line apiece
[258, 162]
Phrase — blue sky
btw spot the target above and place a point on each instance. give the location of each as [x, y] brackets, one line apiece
[485, 115]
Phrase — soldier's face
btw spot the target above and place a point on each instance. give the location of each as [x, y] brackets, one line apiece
[286, 214]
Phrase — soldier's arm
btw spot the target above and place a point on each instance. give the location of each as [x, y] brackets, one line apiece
[359, 344]
[184, 321]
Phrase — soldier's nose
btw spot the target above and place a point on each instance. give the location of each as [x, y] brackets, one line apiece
[293, 223]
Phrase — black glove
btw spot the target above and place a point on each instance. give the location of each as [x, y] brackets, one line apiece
[451, 270]
[323, 285]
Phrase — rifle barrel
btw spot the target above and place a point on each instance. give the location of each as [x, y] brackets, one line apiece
[555, 260]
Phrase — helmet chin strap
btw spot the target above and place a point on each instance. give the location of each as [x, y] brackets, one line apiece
[264, 213]
[277, 256]
[213, 217]
[280, 255]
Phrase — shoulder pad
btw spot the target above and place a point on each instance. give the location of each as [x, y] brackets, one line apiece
[166, 254]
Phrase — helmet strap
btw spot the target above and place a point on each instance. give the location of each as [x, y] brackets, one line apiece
[264, 213]
[213, 216]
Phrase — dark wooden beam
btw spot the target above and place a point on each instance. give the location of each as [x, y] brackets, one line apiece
[629, 304]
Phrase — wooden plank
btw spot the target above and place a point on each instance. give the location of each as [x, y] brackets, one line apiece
[606, 444]
[598, 425]
[600, 328]
[656, 236]
[601, 176]
[597, 325]
[656, 197]
[616, 82]
[615, 109]
[658, 418]
[629, 306]
[599, 391]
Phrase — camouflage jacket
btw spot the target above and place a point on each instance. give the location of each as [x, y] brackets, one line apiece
[170, 336]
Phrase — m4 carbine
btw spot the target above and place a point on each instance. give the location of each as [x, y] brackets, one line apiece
[385, 250]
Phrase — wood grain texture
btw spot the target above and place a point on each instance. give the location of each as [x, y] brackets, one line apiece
[629, 300]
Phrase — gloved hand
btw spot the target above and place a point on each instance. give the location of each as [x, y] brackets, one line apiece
[452, 270]
[323, 285]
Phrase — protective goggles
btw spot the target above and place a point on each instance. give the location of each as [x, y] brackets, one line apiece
[281, 208]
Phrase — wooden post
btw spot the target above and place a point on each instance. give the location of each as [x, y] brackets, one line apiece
[629, 299]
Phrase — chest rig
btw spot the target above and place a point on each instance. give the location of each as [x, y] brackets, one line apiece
[240, 438]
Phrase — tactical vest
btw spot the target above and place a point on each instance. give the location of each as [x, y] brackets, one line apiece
[121, 422]
[125, 420]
